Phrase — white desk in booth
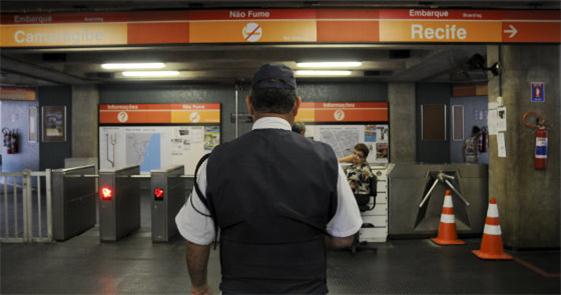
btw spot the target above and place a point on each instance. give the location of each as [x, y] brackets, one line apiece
[379, 215]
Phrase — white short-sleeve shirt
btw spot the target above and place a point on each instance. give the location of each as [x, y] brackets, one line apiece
[199, 228]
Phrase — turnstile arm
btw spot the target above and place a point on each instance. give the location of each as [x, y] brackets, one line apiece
[427, 195]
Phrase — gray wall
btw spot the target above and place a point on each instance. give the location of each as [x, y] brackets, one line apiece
[52, 154]
[15, 115]
[225, 95]
[528, 199]
[85, 99]
[470, 105]
[401, 98]
[433, 151]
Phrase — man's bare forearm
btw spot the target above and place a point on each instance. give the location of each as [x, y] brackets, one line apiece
[197, 262]
[338, 243]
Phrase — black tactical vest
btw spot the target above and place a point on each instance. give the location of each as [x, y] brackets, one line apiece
[273, 193]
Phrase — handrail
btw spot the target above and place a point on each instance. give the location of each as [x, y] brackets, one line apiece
[168, 170]
[117, 170]
[65, 170]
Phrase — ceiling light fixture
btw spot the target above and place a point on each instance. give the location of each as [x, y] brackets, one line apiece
[313, 73]
[133, 66]
[150, 74]
[329, 64]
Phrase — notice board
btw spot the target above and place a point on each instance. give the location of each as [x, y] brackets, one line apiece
[157, 136]
[343, 138]
[344, 124]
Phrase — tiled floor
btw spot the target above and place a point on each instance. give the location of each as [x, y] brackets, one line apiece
[135, 265]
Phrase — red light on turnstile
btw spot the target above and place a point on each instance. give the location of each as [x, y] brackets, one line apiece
[159, 194]
[106, 193]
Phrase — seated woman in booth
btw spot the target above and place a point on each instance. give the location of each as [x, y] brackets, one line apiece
[358, 173]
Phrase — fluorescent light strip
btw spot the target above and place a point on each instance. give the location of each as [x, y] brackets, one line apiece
[313, 73]
[133, 66]
[330, 64]
[150, 74]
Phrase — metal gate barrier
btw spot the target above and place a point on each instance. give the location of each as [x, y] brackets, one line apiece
[74, 208]
[119, 205]
[168, 189]
[27, 215]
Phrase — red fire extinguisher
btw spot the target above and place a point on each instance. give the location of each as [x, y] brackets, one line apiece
[483, 140]
[540, 150]
[10, 141]
[14, 142]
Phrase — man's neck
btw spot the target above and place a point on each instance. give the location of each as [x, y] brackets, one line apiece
[286, 117]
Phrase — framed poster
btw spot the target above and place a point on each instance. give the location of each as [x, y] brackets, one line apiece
[53, 127]
[33, 126]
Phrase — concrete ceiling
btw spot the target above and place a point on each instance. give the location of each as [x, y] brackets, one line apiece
[112, 5]
[230, 63]
[227, 64]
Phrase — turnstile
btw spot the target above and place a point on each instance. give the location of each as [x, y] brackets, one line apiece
[119, 204]
[417, 195]
[168, 191]
[73, 204]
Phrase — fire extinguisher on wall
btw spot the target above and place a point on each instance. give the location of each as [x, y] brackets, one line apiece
[14, 142]
[6, 137]
[10, 141]
[541, 134]
[483, 140]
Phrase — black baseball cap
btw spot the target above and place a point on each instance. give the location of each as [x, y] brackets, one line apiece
[274, 76]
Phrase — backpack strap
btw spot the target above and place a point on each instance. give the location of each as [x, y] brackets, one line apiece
[207, 202]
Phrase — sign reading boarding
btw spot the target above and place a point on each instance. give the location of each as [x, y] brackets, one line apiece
[538, 91]
[124, 114]
[280, 26]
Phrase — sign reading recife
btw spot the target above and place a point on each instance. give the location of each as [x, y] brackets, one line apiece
[280, 26]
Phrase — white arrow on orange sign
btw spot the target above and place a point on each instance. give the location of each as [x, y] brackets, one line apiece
[511, 30]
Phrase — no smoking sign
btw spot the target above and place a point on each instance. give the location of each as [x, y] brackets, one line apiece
[252, 32]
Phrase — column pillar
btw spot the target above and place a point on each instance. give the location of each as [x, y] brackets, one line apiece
[85, 99]
[401, 97]
[528, 199]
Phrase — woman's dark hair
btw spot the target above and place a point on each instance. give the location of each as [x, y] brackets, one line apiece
[299, 127]
[475, 130]
[273, 100]
[361, 147]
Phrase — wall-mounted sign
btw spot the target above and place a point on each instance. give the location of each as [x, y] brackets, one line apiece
[53, 127]
[281, 26]
[343, 112]
[17, 93]
[538, 91]
[126, 114]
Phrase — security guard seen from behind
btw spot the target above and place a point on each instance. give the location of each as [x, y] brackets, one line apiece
[277, 198]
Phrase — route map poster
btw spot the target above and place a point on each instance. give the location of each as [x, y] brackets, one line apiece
[155, 147]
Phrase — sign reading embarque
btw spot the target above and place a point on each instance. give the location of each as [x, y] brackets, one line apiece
[281, 26]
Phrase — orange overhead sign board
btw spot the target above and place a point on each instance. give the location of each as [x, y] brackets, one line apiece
[123, 114]
[344, 112]
[42, 35]
[17, 93]
[281, 26]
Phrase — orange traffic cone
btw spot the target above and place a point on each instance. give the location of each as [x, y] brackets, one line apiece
[492, 242]
[447, 229]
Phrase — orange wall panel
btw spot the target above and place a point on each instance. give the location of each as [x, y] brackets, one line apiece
[439, 31]
[157, 33]
[347, 31]
[252, 31]
[533, 31]
[63, 34]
